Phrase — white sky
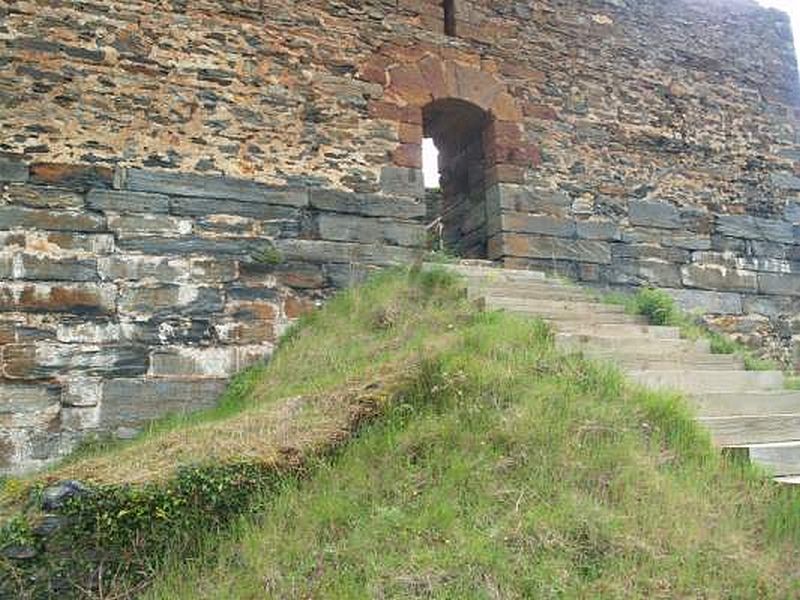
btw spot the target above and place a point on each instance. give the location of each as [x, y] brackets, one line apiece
[430, 155]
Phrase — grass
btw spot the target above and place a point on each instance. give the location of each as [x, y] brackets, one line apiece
[514, 472]
[660, 309]
[486, 464]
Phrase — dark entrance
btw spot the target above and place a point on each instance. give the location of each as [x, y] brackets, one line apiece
[458, 130]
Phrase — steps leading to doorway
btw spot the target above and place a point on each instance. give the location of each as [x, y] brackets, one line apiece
[745, 411]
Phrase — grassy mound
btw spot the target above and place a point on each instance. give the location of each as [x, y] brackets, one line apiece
[402, 445]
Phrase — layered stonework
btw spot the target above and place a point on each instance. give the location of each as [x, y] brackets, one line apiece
[180, 179]
[130, 294]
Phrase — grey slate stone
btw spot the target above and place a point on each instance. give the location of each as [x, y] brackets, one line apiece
[178, 300]
[402, 181]
[210, 186]
[6, 266]
[643, 272]
[324, 251]
[755, 228]
[54, 268]
[45, 360]
[346, 228]
[718, 303]
[32, 218]
[44, 197]
[792, 211]
[13, 170]
[21, 398]
[565, 249]
[549, 226]
[654, 214]
[243, 248]
[598, 230]
[712, 277]
[650, 251]
[56, 496]
[126, 202]
[200, 207]
[785, 180]
[784, 284]
[520, 198]
[367, 205]
[132, 402]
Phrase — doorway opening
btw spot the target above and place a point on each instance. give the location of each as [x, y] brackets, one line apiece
[457, 128]
[449, 17]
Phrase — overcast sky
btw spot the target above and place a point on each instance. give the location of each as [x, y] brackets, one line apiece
[793, 8]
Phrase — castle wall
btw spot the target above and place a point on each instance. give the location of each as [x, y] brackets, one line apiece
[180, 178]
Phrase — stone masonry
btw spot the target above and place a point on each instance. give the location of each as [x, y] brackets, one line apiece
[181, 179]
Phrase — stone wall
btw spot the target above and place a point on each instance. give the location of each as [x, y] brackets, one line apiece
[126, 295]
[161, 156]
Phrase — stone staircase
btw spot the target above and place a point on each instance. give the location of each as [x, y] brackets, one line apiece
[748, 412]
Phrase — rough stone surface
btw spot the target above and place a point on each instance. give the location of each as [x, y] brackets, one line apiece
[193, 189]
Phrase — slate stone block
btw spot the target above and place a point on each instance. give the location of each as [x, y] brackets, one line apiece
[146, 224]
[707, 302]
[243, 248]
[367, 205]
[784, 284]
[126, 202]
[94, 243]
[792, 212]
[210, 186]
[598, 230]
[322, 251]
[755, 228]
[188, 361]
[654, 214]
[401, 181]
[76, 177]
[650, 251]
[81, 391]
[638, 272]
[30, 218]
[79, 299]
[200, 207]
[785, 180]
[294, 274]
[6, 266]
[132, 267]
[713, 277]
[47, 359]
[347, 228]
[44, 197]
[549, 226]
[554, 248]
[132, 402]
[180, 300]
[13, 170]
[53, 268]
[520, 198]
[19, 399]
[748, 263]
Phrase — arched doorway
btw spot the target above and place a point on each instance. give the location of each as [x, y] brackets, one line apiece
[458, 129]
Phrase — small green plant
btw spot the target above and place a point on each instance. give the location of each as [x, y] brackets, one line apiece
[721, 344]
[268, 255]
[656, 305]
[792, 383]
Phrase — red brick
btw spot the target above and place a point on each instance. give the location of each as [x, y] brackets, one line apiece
[410, 133]
[408, 155]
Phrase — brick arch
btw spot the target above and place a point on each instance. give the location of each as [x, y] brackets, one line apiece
[413, 82]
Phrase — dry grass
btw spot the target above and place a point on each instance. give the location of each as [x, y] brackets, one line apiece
[279, 434]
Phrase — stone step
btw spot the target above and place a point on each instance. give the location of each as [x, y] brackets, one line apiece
[486, 273]
[639, 346]
[620, 331]
[710, 381]
[780, 459]
[727, 404]
[572, 312]
[539, 290]
[746, 431]
[698, 362]
[792, 480]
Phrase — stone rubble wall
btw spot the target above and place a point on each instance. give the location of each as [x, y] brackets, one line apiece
[130, 294]
[741, 272]
[159, 156]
